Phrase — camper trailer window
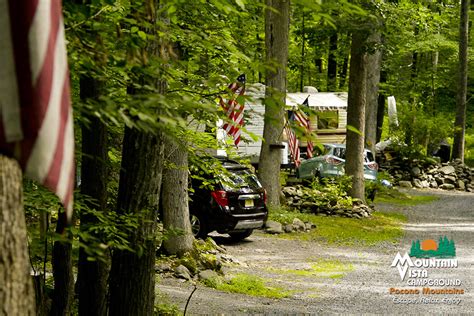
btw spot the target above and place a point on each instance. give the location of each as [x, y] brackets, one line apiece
[328, 120]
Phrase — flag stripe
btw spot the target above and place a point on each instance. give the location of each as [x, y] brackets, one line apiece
[293, 144]
[38, 37]
[46, 149]
[9, 98]
[234, 110]
[53, 175]
[39, 160]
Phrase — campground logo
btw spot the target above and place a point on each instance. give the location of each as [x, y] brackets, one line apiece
[415, 267]
[440, 255]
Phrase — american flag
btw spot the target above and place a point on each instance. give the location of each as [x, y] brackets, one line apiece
[36, 122]
[303, 121]
[234, 109]
[293, 143]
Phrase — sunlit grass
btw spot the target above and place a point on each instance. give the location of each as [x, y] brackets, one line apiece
[380, 228]
[326, 268]
[247, 284]
[403, 199]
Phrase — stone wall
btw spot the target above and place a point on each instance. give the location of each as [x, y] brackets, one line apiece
[430, 174]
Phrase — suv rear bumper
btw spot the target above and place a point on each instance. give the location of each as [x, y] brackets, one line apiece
[223, 221]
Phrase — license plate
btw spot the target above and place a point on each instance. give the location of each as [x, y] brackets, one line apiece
[248, 203]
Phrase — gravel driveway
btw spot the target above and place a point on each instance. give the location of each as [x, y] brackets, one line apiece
[363, 289]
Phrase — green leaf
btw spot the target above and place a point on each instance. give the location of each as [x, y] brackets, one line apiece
[354, 130]
[142, 35]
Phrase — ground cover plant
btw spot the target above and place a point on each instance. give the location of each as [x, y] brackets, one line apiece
[247, 284]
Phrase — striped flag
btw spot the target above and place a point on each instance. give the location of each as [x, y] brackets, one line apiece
[303, 121]
[293, 143]
[36, 122]
[234, 109]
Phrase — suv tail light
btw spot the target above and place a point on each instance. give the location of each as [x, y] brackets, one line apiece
[373, 166]
[265, 196]
[221, 197]
[333, 161]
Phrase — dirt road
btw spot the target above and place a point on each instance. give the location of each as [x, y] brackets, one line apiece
[356, 280]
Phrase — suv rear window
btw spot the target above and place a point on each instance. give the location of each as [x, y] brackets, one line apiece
[240, 178]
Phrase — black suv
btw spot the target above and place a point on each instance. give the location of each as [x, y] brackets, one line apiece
[234, 203]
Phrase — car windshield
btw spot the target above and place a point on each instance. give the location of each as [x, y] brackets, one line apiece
[339, 152]
[240, 178]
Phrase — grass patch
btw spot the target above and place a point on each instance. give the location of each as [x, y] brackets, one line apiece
[380, 228]
[329, 268]
[249, 285]
[403, 199]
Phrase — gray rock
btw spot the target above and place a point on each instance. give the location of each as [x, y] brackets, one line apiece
[182, 272]
[405, 184]
[447, 186]
[425, 184]
[447, 170]
[288, 228]
[299, 224]
[461, 185]
[449, 179]
[273, 227]
[163, 267]
[434, 184]
[310, 226]
[207, 275]
[417, 183]
[415, 171]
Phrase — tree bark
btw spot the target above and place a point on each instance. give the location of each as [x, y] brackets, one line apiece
[276, 42]
[460, 123]
[93, 275]
[381, 108]
[175, 200]
[332, 63]
[303, 42]
[374, 63]
[356, 114]
[62, 270]
[132, 275]
[17, 296]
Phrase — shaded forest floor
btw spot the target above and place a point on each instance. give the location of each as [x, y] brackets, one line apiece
[319, 278]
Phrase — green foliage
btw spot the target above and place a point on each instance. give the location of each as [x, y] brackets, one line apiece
[469, 148]
[249, 285]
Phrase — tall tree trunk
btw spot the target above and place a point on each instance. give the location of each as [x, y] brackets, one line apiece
[381, 108]
[17, 296]
[374, 63]
[356, 114]
[303, 42]
[132, 277]
[460, 123]
[343, 73]
[276, 42]
[62, 270]
[175, 199]
[332, 63]
[93, 275]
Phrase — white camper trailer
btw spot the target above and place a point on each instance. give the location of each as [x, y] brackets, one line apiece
[329, 121]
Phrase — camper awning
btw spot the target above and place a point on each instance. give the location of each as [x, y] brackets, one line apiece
[321, 101]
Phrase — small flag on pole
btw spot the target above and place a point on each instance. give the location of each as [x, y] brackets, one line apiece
[305, 122]
[293, 144]
[234, 109]
[36, 122]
